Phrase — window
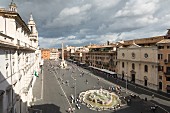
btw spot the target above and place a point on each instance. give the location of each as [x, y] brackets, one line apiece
[7, 65]
[168, 57]
[26, 59]
[13, 70]
[123, 64]
[167, 78]
[133, 66]
[13, 55]
[146, 55]
[168, 88]
[133, 55]
[146, 68]
[160, 68]
[168, 47]
[160, 47]
[123, 54]
[6, 73]
[31, 29]
[160, 77]
[160, 56]
[6, 54]
[167, 69]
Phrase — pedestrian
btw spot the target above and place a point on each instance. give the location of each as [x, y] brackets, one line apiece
[86, 81]
[153, 96]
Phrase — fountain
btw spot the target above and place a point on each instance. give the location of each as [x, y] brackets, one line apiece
[100, 99]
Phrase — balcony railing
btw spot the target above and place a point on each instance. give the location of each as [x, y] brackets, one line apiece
[5, 38]
[167, 73]
[167, 61]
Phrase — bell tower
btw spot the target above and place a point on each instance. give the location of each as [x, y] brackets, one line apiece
[34, 33]
[13, 7]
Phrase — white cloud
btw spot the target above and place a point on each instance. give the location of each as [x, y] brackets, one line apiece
[70, 16]
[69, 11]
[71, 37]
[74, 10]
[149, 19]
[102, 4]
[50, 42]
[138, 7]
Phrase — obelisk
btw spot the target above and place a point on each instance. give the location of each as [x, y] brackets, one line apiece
[62, 53]
[63, 63]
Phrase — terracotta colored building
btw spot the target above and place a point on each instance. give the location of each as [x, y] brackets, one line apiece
[45, 54]
[164, 63]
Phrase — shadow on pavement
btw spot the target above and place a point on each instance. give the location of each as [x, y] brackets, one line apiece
[44, 108]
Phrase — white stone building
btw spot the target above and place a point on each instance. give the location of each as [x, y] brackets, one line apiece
[20, 59]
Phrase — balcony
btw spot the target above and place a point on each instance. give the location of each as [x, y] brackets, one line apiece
[166, 61]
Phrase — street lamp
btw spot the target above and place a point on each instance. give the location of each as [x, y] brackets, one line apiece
[126, 82]
[75, 90]
[74, 86]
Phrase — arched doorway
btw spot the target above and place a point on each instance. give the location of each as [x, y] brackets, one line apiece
[133, 76]
[145, 80]
[123, 75]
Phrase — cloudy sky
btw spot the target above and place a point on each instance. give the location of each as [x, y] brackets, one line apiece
[81, 22]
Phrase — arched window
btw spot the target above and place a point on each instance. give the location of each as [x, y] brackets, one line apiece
[146, 55]
[133, 66]
[146, 68]
[123, 64]
[133, 55]
[123, 54]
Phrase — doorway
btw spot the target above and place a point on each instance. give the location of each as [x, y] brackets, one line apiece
[123, 76]
[145, 82]
[133, 78]
[160, 85]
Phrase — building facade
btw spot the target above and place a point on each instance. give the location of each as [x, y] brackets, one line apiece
[54, 54]
[138, 64]
[102, 56]
[20, 58]
[146, 62]
[164, 63]
[45, 54]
